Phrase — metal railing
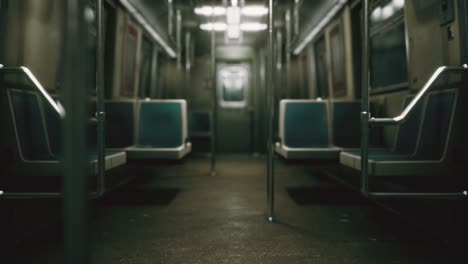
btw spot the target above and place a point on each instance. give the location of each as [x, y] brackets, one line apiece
[427, 86]
[60, 111]
[367, 120]
[38, 86]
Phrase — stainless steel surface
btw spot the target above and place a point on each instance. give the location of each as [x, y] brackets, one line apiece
[288, 38]
[188, 52]
[366, 59]
[75, 94]
[179, 38]
[454, 195]
[419, 96]
[271, 113]
[100, 111]
[55, 105]
[214, 107]
[366, 119]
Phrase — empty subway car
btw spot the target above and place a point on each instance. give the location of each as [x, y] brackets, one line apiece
[268, 131]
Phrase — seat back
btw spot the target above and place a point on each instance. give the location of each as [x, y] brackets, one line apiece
[29, 125]
[436, 125]
[162, 123]
[346, 124]
[407, 133]
[304, 123]
[120, 123]
[54, 127]
[200, 123]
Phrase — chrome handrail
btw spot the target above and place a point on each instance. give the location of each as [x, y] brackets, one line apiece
[405, 113]
[55, 104]
[367, 120]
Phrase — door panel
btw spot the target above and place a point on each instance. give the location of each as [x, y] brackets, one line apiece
[234, 108]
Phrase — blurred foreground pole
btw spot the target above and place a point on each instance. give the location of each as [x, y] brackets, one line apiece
[76, 84]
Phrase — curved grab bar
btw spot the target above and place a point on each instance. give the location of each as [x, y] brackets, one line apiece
[404, 115]
[55, 104]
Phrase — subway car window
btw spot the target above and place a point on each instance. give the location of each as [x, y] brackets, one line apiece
[145, 68]
[388, 50]
[338, 59]
[321, 67]
[130, 60]
[233, 85]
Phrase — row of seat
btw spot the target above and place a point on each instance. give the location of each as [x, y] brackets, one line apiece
[420, 146]
[149, 129]
[161, 133]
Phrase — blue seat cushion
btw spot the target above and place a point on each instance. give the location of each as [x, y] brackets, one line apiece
[30, 126]
[306, 125]
[346, 124]
[408, 131]
[160, 125]
[200, 122]
[119, 126]
[436, 125]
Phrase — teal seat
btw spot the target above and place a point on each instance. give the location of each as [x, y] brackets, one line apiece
[404, 144]
[120, 124]
[304, 130]
[38, 130]
[421, 144]
[29, 126]
[162, 130]
[160, 125]
[346, 124]
[200, 123]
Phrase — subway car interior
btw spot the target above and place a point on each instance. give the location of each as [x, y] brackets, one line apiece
[233, 131]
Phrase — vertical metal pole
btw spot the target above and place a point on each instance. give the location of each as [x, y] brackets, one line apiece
[288, 52]
[271, 112]
[179, 39]
[188, 51]
[296, 17]
[76, 87]
[188, 63]
[215, 99]
[100, 111]
[170, 18]
[366, 58]
[154, 71]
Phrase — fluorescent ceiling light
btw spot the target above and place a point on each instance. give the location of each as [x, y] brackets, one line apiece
[255, 11]
[223, 27]
[253, 26]
[398, 4]
[233, 32]
[210, 11]
[235, 2]
[213, 26]
[233, 15]
[376, 14]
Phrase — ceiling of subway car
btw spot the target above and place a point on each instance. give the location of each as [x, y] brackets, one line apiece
[156, 12]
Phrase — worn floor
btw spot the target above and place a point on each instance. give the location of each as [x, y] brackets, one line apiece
[179, 214]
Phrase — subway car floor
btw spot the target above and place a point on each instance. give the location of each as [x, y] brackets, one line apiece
[178, 213]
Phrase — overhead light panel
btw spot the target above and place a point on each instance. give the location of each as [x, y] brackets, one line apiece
[210, 11]
[254, 11]
[213, 26]
[253, 26]
[398, 4]
[233, 32]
